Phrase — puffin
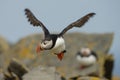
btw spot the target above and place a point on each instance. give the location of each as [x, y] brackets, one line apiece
[86, 57]
[55, 43]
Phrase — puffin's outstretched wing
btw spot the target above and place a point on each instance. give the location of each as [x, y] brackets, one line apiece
[79, 23]
[35, 22]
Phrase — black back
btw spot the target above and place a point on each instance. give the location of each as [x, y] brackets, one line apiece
[54, 38]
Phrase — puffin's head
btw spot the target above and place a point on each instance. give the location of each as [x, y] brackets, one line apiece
[44, 45]
[85, 51]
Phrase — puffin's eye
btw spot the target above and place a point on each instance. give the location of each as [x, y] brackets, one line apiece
[44, 43]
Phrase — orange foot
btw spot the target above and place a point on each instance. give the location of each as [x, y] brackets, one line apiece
[60, 56]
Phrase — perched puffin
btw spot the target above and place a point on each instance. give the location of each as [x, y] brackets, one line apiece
[86, 57]
[54, 42]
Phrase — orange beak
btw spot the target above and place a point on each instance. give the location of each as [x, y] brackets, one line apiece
[85, 53]
[38, 49]
[60, 56]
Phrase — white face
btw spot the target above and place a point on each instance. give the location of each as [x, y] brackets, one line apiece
[46, 44]
[85, 51]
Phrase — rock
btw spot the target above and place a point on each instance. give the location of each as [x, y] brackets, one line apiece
[25, 49]
[17, 68]
[4, 47]
[10, 76]
[42, 73]
[108, 66]
[91, 78]
[1, 76]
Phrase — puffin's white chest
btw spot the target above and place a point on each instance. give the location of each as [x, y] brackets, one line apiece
[86, 61]
[59, 45]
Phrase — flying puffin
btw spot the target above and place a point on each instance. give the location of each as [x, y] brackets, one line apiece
[86, 57]
[54, 42]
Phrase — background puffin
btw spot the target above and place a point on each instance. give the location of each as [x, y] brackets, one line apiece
[55, 42]
[86, 57]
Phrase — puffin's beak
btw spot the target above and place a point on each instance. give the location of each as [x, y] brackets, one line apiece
[38, 49]
[60, 56]
[85, 53]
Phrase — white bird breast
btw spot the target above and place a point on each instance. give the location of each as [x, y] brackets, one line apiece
[86, 61]
[59, 45]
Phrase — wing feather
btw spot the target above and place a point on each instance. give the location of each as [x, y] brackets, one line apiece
[79, 23]
[35, 22]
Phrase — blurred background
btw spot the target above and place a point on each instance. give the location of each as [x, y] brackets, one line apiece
[56, 15]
